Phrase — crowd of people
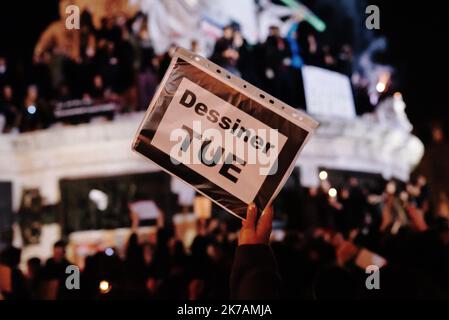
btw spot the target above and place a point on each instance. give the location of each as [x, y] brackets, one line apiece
[323, 255]
[116, 62]
[316, 254]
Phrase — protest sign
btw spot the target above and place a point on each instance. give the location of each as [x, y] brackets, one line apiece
[328, 93]
[229, 140]
[145, 209]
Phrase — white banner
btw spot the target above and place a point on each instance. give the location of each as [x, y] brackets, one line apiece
[328, 93]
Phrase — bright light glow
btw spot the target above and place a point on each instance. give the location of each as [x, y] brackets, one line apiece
[109, 252]
[31, 109]
[332, 192]
[380, 87]
[105, 287]
[192, 3]
[383, 80]
[323, 175]
[100, 199]
[397, 95]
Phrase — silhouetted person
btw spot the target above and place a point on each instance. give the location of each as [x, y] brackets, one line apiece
[134, 267]
[10, 257]
[55, 269]
[34, 276]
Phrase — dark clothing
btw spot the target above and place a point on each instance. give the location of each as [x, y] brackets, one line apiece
[283, 82]
[19, 288]
[56, 270]
[254, 273]
[276, 51]
[163, 66]
[435, 170]
[11, 113]
[218, 57]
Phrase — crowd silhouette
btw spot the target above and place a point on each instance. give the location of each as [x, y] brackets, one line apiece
[316, 258]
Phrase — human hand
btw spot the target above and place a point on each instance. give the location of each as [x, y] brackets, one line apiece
[253, 231]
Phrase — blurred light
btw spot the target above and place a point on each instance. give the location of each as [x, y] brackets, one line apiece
[383, 80]
[192, 3]
[31, 109]
[105, 287]
[323, 175]
[109, 252]
[99, 198]
[397, 95]
[308, 15]
[380, 87]
[332, 192]
[373, 98]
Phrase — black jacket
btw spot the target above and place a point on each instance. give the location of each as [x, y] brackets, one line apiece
[254, 273]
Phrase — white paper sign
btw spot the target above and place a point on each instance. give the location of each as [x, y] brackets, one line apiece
[245, 178]
[232, 142]
[145, 209]
[328, 93]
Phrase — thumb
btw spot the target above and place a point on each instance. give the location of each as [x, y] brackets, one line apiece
[264, 225]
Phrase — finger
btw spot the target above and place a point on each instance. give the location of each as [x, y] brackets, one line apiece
[265, 221]
[251, 215]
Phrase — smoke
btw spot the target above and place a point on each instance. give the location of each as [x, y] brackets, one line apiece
[375, 75]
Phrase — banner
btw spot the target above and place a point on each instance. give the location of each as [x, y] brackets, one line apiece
[229, 140]
[328, 93]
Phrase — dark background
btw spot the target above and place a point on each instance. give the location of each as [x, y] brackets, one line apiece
[5, 211]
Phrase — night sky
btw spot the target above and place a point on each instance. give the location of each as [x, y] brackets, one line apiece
[418, 35]
[416, 32]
